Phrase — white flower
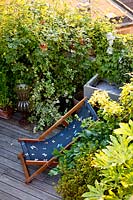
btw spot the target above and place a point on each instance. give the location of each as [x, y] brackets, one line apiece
[120, 59]
[72, 51]
[110, 50]
[110, 42]
[110, 36]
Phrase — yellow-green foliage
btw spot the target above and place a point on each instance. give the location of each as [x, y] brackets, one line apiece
[126, 99]
[115, 163]
[119, 111]
[73, 182]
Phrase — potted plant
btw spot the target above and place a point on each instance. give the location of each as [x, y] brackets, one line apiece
[5, 103]
[96, 83]
[23, 91]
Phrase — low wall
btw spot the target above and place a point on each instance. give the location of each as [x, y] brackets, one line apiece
[125, 29]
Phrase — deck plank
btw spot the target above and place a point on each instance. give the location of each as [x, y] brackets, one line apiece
[5, 196]
[23, 189]
[37, 183]
[12, 186]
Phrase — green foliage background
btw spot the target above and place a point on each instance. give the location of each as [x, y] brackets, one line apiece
[48, 45]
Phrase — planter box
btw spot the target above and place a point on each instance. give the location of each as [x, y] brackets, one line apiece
[95, 83]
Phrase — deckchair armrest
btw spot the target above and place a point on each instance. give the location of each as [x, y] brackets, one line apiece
[62, 120]
[28, 140]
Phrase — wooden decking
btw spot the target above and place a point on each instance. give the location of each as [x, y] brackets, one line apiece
[12, 186]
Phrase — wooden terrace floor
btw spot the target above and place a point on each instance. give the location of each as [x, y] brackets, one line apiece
[12, 186]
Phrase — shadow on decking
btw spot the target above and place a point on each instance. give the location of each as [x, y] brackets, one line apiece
[12, 186]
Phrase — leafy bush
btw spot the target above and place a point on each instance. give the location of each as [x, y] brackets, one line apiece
[116, 167]
[49, 47]
[46, 48]
[4, 92]
[111, 111]
[113, 54]
[73, 183]
[126, 99]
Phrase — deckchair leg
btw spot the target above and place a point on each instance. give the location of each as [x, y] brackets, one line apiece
[37, 172]
[26, 171]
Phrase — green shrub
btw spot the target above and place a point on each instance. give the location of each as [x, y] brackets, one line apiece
[73, 183]
[113, 53]
[116, 167]
[111, 111]
[4, 92]
[126, 100]
[48, 46]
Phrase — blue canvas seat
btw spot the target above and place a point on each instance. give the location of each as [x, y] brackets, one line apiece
[40, 151]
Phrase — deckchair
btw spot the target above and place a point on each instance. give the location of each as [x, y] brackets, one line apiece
[40, 151]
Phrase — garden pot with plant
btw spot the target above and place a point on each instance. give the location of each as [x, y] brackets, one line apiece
[96, 83]
[6, 113]
[23, 105]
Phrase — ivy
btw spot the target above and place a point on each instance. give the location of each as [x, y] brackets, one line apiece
[56, 50]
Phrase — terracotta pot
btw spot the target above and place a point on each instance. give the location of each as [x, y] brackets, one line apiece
[6, 113]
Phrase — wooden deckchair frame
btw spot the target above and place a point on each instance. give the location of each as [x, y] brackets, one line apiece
[45, 164]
